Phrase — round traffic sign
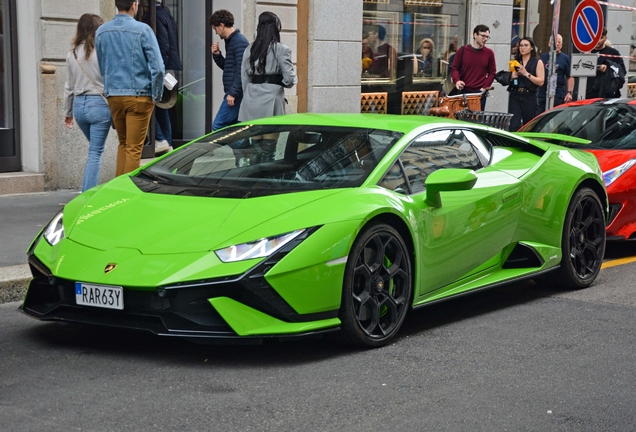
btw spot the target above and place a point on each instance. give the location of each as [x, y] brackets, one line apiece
[587, 25]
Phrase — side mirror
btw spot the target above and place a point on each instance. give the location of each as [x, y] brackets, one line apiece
[449, 179]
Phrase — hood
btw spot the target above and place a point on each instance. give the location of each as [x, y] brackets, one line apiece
[609, 159]
[119, 215]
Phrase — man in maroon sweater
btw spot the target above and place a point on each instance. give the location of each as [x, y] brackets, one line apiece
[474, 67]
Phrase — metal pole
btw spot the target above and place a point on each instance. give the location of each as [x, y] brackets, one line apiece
[550, 85]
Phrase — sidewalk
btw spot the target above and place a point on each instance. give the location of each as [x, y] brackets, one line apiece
[22, 216]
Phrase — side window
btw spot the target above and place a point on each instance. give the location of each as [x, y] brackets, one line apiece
[436, 150]
[394, 179]
[430, 152]
[483, 148]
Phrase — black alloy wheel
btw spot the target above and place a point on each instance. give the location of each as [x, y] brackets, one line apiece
[377, 287]
[583, 243]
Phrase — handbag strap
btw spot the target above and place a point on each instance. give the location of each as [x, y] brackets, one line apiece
[89, 78]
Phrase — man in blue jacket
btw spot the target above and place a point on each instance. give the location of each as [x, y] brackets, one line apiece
[133, 71]
[235, 43]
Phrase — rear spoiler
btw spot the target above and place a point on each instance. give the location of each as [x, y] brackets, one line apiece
[553, 136]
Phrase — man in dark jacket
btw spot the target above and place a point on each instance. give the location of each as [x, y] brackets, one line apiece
[166, 32]
[602, 85]
[235, 43]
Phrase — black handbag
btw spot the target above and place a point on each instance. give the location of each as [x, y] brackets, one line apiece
[503, 77]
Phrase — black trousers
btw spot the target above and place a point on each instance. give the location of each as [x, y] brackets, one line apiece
[523, 106]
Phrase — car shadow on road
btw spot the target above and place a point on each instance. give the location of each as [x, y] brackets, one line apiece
[616, 250]
[105, 341]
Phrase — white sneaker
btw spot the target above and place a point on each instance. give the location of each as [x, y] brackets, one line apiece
[162, 147]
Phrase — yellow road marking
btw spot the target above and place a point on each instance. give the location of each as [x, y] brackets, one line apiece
[618, 262]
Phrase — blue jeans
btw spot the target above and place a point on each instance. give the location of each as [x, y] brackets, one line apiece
[163, 129]
[92, 115]
[227, 115]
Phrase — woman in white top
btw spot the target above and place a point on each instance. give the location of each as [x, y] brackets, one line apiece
[84, 96]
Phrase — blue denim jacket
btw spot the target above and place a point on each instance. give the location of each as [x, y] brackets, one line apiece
[129, 58]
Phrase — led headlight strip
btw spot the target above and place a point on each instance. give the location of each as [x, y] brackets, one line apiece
[54, 231]
[610, 176]
[256, 249]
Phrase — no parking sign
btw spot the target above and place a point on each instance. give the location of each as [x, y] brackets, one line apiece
[587, 25]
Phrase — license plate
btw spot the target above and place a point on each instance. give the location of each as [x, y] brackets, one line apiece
[111, 297]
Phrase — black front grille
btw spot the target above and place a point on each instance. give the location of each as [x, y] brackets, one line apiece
[174, 309]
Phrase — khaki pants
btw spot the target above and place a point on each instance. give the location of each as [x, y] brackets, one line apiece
[131, 115]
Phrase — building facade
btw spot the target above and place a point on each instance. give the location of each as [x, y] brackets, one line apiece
[326, 37]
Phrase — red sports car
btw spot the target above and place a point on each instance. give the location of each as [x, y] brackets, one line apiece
[610, 125]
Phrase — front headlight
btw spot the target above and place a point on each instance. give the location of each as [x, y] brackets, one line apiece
[256, 249]
[612, 175]
[54, 232]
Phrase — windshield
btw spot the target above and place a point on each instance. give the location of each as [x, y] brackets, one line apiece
[607, 126]
[257, 160]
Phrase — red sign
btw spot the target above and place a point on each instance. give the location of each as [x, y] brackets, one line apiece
[587, 25]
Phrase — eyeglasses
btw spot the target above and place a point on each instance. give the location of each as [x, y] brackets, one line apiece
[484, 36]
[525, 45]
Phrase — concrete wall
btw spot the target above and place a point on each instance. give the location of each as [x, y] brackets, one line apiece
[333, 77]
[497, 15]
[45, 30]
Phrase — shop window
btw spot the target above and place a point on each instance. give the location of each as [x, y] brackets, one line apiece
[406, 45]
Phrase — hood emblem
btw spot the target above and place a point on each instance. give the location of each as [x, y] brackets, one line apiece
[110, 267]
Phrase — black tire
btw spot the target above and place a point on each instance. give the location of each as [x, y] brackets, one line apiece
[583, 241]
[377, 289]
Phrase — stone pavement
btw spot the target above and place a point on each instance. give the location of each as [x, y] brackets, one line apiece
[22, 216]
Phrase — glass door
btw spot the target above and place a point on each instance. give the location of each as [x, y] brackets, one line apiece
[9, 143]
[189, 113]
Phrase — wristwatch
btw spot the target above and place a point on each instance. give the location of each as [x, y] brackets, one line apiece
[569, 91]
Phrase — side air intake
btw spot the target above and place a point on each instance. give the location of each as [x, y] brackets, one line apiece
[523, 256]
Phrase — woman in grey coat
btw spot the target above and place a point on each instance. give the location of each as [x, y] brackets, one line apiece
[266, 71]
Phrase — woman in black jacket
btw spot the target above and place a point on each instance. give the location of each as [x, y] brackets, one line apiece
[526, 80]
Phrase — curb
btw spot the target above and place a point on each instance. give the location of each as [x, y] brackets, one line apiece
[13, 282]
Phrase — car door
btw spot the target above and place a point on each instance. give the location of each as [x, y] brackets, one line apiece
[472, 227]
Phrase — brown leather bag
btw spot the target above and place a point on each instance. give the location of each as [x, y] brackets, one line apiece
[449, 105]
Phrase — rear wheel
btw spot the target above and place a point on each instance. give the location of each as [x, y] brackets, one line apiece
[377, 287]
[583, 242]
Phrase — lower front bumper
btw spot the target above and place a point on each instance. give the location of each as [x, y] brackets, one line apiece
[196, 312]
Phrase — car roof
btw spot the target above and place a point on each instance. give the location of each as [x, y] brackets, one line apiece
[399, 123]
[599, 102]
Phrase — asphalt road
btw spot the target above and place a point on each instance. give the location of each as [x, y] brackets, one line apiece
[519, 358]
[22, 216]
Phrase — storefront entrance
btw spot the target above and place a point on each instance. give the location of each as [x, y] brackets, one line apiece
[200, 87]
[189, 113]
[9, 142]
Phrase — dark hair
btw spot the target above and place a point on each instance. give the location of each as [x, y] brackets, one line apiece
[533, 53]
[381, 32]
[86, 27]
[267, 34]
[481, 28]
[604, 32]
[124, 5]
[221, 16]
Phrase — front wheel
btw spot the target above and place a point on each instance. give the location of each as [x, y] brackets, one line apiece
[583, 242]
[377, 287]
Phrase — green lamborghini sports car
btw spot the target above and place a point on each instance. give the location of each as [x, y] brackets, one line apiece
[305, 224]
